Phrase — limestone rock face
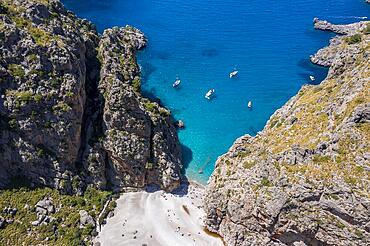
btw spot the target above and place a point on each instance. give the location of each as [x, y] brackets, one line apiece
[42, 86]
[71, 112]
[141, 140]
[305, 179]
[86, 219]
[340, 29]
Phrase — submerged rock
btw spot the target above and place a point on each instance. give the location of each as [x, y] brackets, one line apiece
[180, 124]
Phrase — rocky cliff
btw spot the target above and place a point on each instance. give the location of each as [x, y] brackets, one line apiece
[71, 112]
[305, 179]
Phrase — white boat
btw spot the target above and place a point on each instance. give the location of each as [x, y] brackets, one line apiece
[312, 78]
[233, 73]
[210, 93]
[250, 104]
[177, 83]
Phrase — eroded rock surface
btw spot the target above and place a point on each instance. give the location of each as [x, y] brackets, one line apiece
[304, 180]
[71, 112]
[141, 140]
[42, 87]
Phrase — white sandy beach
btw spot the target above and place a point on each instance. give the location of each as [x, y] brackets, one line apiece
[158, 219]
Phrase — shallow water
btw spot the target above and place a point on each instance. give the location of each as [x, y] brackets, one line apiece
[268, 41]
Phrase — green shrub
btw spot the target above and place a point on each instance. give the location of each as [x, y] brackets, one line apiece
[359, 233]
[40, 153]
[37, 98]
[24, 96]
[39, 73]
[21, 22]
[249, 164]
[136, 84]
[354, 39]
[54, 83]
[32, 57]
[40, 36]
[61, 107]
[243, 154]
[47, 124]
[266, 182]
[320, 159]
[13, 123]
[3, 9]
[67, 214]
[33, 115]
[228, 172]
[151, 107]
[69, 94]
[164, 112]
[149, 165]
[16, 70]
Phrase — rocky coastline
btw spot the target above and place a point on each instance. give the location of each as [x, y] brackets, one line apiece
[72, 114]
[74, 127]
[75, 130]
[304, 180]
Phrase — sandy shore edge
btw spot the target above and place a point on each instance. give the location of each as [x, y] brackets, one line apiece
[157, 218]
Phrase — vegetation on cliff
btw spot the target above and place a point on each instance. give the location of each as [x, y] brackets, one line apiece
[305, 178]
[72, 119]
[63, 227]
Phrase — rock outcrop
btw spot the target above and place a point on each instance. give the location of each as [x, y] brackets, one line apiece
[305, 179]
[349, 29]
[43, 71]
[141, 140]
[71, 112]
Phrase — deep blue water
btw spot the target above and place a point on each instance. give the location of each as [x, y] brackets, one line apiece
[268, 41]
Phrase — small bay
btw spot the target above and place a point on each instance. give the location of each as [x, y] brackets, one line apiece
[268, 42]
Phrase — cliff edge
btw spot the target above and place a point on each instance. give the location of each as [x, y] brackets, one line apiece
[305, 179]
[71, 111]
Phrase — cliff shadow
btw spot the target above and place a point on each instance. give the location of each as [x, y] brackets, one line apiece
[183, 189]
[319, 72]
[151, 95]
[146, 70]
[187, 157]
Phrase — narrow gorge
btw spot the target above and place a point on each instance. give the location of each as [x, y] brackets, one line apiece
[77, 135]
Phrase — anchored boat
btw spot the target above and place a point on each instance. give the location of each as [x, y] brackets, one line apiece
[177, 83]
[209, 94]
[234, 73]
[312, 78]
[250, 104]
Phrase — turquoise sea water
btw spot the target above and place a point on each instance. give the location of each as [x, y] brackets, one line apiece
[268, 41]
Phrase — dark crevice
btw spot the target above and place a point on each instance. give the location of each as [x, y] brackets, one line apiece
[92, 120]
[110, 183]
[151, 150]
[343, 216]
[293, 237]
